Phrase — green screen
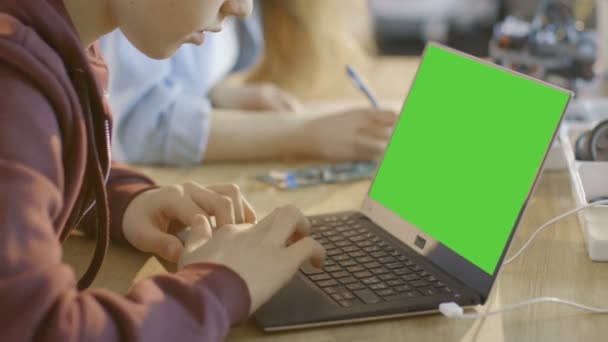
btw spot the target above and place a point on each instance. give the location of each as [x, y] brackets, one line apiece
[465, 153]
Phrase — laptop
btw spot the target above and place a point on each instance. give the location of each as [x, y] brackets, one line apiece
[441, 212]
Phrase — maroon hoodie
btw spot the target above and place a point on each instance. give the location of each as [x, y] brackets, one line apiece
[54, 166]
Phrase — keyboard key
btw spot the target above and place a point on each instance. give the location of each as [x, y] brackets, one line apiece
[382, 244]
[363, 274]
[354, 269]
[358, 238]
[345, 217]
[402, 258]
[395, 282]
[431, 279]
[315, 236]
[379, 270]
[402, 271]
[331, 289]
[349, 249]
[393, 252]
[347, 263]
[394, 265]
[349, 233]
[347, 280]
[331, 269]
[329, 262]
[416, 268]
[403, 288]
[428, 291]
[379, 286]
[315, 222]
[332, 252]
[386, 260]
[336, 238]
[326, 283]
[367, 296]
[308, 269]
[337, 296]
[344, 243]
[346, 303]
[319, 277]
[386, 292]
[372, 264]
[340, 274]
[370, 249]
[388, 276]
[411, 277]
[365, 243]
[413, 294]
[341, 257]
[355, 286]
[423, 274]
[440, 284]
[370, 280]
[446, 290]
[379, 254]
[419, 283]
[348, 295]
[340, 228]
[330, 233]
[351, 222]
[323, 241]
[364, 259]
[357, 254]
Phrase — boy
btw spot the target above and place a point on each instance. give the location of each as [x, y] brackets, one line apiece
[55, 172]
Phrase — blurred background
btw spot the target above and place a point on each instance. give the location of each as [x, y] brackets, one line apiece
[403, 26]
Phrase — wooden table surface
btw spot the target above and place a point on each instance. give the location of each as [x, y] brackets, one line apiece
[555, 265]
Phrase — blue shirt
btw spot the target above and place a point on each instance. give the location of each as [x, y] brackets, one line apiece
[161, 107]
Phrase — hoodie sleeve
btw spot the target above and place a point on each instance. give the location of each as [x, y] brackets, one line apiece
[40, 300]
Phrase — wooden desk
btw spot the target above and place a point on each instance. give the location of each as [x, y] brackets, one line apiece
[555, 265]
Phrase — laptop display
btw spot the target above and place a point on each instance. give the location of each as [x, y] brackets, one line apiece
[466, 151]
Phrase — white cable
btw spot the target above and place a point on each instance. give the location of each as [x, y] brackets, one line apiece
[550, 222]
[452, 309]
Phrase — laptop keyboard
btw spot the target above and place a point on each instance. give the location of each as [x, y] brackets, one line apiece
[362, 268]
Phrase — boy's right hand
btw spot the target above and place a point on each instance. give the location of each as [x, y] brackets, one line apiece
[360, 134]
[265, 255]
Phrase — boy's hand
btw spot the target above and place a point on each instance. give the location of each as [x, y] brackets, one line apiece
[266, 255]
[360, 134]
[254, 97]
[147, 220]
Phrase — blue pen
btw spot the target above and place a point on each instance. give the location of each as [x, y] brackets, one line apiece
[354, 76]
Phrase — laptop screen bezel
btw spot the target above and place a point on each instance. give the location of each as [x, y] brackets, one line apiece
[440, 255]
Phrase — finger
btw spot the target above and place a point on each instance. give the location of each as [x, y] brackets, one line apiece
[289, 224]
[250, 215]
[218, 205]
[153, 240]
[379, 132]
[290, 102]
[182, 208]
[307, 249]
[369, 148]
[384, 117]
[234, 193]
[200, 233]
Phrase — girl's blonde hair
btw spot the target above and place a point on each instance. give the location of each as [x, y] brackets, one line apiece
[309, 42]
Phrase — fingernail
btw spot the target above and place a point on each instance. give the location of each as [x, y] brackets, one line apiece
[172, 249]
[198, 220]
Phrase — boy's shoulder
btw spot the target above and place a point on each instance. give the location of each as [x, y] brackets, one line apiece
[23, 48]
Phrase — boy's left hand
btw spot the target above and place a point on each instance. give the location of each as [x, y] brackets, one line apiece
[254, 97]
[148, 219]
